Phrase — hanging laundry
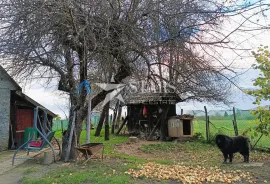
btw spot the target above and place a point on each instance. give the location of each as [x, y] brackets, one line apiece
[144, 111]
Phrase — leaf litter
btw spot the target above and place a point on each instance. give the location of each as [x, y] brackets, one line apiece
[190, 174]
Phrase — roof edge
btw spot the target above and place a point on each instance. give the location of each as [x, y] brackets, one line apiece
[12, 80]
[27, 98]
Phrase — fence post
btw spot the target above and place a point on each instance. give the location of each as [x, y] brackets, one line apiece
[62, 126]
[235, 123]
[206, 123]
[208, 128]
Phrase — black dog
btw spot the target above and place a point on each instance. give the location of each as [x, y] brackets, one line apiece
[230, 145]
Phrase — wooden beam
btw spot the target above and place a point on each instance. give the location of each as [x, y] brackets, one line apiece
[163, 123]
[153, 131]
[122, 125]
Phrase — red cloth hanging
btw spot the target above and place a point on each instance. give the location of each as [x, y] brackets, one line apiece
[144, 111]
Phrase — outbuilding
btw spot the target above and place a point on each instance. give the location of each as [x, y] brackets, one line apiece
[16, 112]
[148, 114]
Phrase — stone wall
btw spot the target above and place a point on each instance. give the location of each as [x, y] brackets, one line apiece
[6, 84]
[4, 118]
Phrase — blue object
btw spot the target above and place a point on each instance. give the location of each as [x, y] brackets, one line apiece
[85, 84]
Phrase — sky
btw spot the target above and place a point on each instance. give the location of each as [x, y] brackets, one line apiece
[57, 102]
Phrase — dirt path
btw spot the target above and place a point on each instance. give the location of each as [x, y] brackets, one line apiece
[133, 148]
[13, 174]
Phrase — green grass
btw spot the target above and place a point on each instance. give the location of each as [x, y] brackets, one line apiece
[108, 145]
[29, 170]
[226, 127]
[96, 172]
[112, 169]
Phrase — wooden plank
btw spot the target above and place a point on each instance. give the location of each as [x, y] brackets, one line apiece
[163, 132]
[19, 131]
[122, 125]
[88, 121]
[153, 131]
[70, 137]
[114, 116]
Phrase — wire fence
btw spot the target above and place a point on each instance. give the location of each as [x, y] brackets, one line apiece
[219, 122]
[62, 125]
[229, 122]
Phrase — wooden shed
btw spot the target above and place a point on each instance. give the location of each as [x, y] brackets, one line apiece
[22, 116]
[148, 114]
[16, 112]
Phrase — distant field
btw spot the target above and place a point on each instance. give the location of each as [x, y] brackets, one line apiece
[226, 127]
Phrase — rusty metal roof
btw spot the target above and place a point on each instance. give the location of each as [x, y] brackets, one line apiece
[153, 98]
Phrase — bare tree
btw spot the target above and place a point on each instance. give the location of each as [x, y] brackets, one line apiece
[70, 41]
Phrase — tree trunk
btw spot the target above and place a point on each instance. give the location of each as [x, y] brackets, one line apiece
[107, 127]
[78, 104]
[78, 129]
[101, 120]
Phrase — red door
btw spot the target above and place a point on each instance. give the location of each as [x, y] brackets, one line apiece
[24, 119]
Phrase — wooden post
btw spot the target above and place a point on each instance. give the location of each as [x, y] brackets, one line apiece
[114, 116]
[208, 128]
[119, 114]
[122, 125]
[206, 124]
[163, 128]
[106, 123]
[111, 120]
[70, 136]
[112, 131]
[62, 128]
[235, 123]
[48, 157]
[153, 131]
[101, 120]
[88, 123]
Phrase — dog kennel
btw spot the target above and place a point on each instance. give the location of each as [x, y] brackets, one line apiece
[180, 126]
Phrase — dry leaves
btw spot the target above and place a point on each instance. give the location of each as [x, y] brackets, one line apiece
[66, 164]
[190, 174]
